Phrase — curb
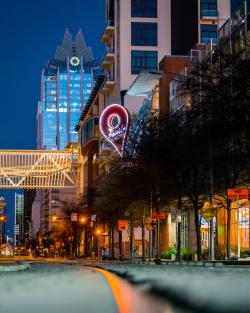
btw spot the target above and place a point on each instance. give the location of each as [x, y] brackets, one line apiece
[15, 268]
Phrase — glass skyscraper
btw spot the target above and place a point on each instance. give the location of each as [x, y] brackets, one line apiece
[66, 84]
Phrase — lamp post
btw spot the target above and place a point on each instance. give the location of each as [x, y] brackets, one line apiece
[82, 221]
[2, 220]
[98, 233]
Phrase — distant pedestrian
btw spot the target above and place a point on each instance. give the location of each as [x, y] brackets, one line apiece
[105, 254]
[37, 253]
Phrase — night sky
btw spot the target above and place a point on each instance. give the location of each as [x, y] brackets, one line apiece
[30, 31]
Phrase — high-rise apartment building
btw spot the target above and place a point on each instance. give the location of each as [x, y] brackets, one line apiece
[139, 33]
[66, 83]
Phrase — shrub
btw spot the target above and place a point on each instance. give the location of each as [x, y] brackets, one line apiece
[167, 253]
[220, 252]
[245, 251]
[205, 254]
[186, 254]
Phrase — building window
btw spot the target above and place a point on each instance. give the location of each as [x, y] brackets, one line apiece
[208, 8]
[144, 8]
[143, 60]
[144, 34]
[208, 32]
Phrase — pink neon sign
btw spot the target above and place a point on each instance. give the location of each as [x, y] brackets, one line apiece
[114, 125]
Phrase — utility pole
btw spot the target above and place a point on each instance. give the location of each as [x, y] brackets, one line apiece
[150, 232]
[71, 241]
[238, 227]
[143, 237]
[158, 223]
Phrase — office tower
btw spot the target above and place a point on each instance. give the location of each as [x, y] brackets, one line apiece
[29, 196]
[66, 83]
[2, 220]
[19, 219]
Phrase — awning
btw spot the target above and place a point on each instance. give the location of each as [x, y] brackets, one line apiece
[145, 82]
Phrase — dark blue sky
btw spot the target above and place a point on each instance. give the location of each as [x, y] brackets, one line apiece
[30, 31]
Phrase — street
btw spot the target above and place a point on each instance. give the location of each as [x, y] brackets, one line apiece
[55, 287]
[125, 156]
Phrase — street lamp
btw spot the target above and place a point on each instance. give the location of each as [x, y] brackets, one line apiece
[98, 233]
[82, 220]
[2, 220]
[54, 218]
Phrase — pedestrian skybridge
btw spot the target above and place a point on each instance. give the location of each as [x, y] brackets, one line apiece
[38, 169]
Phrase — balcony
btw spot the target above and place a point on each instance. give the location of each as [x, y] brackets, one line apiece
[108, 31]
[108, 58]
[108, 84]
[209, 14]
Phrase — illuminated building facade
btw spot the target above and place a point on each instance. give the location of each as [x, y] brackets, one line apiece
[66, 84]
[19, 219]
[2, 219]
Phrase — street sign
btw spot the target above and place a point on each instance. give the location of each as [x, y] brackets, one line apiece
[93, 217]
[175, 216]
[73, 217]
[161, 215]
[154, 215]
[149, 223]
[237, 193]
[208, 211]
[122, 225]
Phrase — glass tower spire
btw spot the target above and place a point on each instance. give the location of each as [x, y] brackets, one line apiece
[66, 84]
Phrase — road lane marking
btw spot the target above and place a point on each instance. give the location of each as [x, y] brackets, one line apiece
[128, 299]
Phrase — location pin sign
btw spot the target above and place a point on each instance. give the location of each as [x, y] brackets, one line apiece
[114, 125]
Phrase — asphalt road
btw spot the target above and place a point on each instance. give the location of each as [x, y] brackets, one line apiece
[60, 288]
[55, 288]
